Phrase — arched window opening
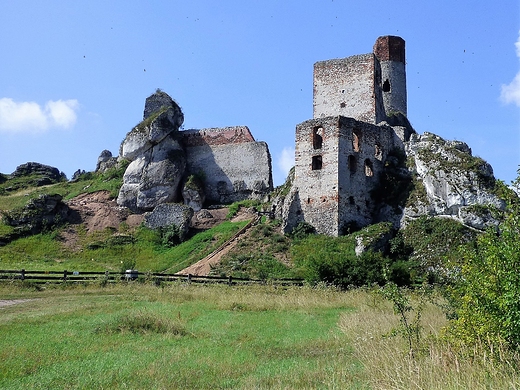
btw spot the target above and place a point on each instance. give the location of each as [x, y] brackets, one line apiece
[386, 86]
[378, 153]
[317, 137]
[355, 141]
[369, 171]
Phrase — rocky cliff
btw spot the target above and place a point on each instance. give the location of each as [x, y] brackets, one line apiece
[157, 159]
[451, 182]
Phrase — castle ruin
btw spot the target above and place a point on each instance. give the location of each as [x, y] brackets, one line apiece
[230, 164]
[359, 108]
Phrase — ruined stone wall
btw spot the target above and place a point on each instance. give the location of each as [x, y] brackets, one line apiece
[234, 165]
[338, 161]
[364, 149]
[217, 136]
[349, 87]
[316, 173]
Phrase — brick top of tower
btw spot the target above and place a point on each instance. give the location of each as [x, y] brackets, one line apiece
[389, 48]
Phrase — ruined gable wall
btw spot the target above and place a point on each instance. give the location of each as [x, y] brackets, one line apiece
[316, 173]
[349, 87]
[217, 136]
[335, 194]
[235, 166]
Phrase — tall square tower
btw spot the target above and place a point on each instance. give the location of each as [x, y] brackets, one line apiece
[338, 162]
[349, 87]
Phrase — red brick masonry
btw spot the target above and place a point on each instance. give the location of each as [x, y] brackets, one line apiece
[217, 136]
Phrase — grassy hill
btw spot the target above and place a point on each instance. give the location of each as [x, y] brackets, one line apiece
[407, 258]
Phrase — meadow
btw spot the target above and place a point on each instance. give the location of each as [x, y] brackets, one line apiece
[135, 336]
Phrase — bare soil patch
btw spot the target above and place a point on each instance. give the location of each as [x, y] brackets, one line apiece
[10, 302]
[203, 267]
[96, 211]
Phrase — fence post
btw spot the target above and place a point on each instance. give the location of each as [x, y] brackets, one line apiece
[189, 278]
[65, 275]
[230, 280]
[22, 274]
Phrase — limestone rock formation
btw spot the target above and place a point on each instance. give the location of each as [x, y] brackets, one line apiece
[193, 192]
[284, 204]
[40, 174]
[168, 214]
[40, 213]
[158, 160]
[450, 182]
[105, 161]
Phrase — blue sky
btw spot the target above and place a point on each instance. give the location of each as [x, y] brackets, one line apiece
[75, 74]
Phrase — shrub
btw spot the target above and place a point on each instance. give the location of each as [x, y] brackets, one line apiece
[171, 235]
[302, 230]
[333, 261]
[485, 293]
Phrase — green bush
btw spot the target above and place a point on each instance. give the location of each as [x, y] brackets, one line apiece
[171, 235]
[333, 261]
[485, 290]
[302, 230]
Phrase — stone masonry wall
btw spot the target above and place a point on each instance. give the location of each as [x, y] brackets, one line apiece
[217, 136]
[338, 161]
[349, 87]
[363, 150]
[234, 170]
[316, 173]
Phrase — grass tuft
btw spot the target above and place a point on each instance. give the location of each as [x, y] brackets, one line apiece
[143, 322]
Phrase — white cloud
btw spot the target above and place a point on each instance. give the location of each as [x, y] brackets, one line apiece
[31, 117]
[286, 160]
[510, 93]
[62, 112]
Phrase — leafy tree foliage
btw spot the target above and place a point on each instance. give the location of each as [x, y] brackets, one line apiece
[332, 260]
[485, 294]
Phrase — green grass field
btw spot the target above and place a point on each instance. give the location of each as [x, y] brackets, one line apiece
[138, 336]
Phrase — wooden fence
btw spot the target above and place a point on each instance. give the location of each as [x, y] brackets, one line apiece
[129, 276]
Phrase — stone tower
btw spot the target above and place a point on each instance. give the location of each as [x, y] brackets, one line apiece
[365, 87]
[349, 87]
[390, 52]
[340, 155]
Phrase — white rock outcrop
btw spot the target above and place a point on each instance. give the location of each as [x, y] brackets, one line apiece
[455, 183]
[158, 160]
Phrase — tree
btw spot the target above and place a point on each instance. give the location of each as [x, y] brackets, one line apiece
[485, 294]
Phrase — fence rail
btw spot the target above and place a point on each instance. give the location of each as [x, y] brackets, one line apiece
[129, 276]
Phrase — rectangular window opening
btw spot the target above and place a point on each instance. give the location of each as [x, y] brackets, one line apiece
[317, 163]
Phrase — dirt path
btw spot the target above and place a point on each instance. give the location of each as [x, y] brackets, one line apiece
[203, 267]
